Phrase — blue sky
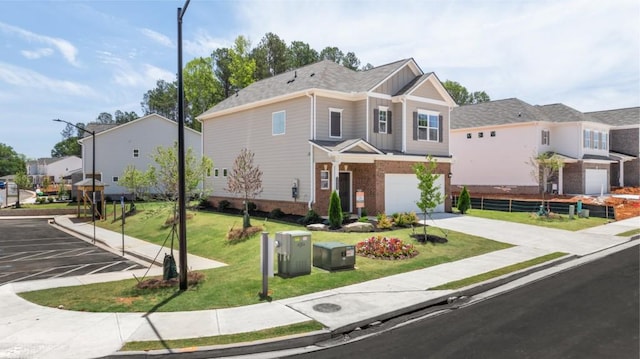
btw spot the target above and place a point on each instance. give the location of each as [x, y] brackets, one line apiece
[75, 59]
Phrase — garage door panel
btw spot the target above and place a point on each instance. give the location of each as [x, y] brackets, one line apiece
[402, 193]
[595, 181]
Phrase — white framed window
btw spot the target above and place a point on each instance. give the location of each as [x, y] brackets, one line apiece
[216, 172]
[493, 133]
[480, 134]
[546, 140]
[324, 179]
[382, 119]
[469, 135]
[605, 141]
[136, 153]
[335, 123]
[208, 172]
[224, 172]
[597, 139]
[586, 138]
[115, 179]
[428, 126]
[278, 122]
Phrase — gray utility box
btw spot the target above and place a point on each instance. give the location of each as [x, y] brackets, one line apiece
[294, 253]
[334, 256]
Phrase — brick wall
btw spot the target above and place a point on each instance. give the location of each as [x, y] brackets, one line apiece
[573, 178]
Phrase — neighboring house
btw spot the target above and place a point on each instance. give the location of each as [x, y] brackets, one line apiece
[624, 146]
[55, 169]
[493, 144]
[324, 127]
[131, 143]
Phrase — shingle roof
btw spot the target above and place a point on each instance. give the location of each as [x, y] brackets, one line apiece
[326, 75]
[558, 112]
[97, 127]
[618, 117]
[499, 112]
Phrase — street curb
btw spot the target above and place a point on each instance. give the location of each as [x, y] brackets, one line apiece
[261, 346]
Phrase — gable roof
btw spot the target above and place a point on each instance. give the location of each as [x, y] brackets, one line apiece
[558, 112]
[618, 117]
[499, 112]
[106, 128]
[356, 145]
[323, 75]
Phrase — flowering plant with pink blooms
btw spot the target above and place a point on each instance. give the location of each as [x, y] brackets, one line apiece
[385, 248]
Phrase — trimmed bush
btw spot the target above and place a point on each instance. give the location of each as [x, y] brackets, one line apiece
[276, 213]
[335, 211]
[223, 205]
[311, 218]
[464, 202]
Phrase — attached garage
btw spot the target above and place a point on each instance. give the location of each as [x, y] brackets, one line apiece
[401, 193]
[595, 181]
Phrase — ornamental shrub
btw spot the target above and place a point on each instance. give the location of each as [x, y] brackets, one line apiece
[384, 222]
[464, 202]
[379, 247]
[335, 211]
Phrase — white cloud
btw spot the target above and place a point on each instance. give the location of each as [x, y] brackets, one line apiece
[25, 78]
[68, 51]
[36, 54]
[204, 44]
[157, 37]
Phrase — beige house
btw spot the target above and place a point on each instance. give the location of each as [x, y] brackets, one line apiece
[324, 127]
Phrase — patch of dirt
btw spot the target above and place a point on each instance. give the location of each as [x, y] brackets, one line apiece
[430, 238]
[126, 300]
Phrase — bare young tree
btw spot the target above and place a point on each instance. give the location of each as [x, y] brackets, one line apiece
[544, 166]
[245, 179]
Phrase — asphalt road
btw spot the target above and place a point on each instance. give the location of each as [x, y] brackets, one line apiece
[32, 249]
[588, 312]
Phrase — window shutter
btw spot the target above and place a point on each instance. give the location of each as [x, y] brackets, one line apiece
[542, 137]
[415, 126]
[440, 128]
[376, 119]
[389, 122]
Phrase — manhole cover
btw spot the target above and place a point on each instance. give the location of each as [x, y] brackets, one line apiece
[326, 308]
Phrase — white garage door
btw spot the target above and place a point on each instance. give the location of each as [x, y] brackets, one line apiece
[595, 181]
[401, 193]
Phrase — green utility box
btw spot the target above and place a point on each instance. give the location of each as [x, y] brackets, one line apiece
[334, 256]
[294, 253]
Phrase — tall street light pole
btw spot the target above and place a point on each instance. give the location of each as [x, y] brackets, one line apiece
[182, 211]
[93, 170]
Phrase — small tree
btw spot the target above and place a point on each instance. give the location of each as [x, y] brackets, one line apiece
[136, 181]
[245, 179]
[464, 202]
[165, 175]
[430, 195]
[335, 211]
[544, 167]
[22, 182]
[46, 182]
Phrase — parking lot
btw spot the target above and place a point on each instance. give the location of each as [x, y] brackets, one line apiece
[32, 249]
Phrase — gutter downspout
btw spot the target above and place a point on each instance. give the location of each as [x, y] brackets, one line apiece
[312, 166]
[403, 100]
[366, 118]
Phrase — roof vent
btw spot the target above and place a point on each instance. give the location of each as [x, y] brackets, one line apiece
[312, 74]
[519, 114]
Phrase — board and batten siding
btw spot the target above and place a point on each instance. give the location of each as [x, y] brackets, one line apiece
[384, 141]
[281, 158]
[440, 148]
[396, 82]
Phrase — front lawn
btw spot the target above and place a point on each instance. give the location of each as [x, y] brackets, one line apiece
[240, 282]
[554, 221]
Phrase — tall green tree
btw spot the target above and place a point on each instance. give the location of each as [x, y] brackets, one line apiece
[222, 70]
[301, 54]
[164, 176]
[242, 65]
[464, 202]
[201, 89]
[351, 61]
[270, 56]
[430, 194]
[335, 211]
[162, 100]
[105, 118]
[10, 161]
[245, 179]
[67, 147]
[124, 117]
[462, 96]
[332, 53]
[22, 182]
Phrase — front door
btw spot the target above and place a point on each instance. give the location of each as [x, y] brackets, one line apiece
[344, 186]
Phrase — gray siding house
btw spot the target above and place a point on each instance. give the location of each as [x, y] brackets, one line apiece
[625, 144]
[324, 127]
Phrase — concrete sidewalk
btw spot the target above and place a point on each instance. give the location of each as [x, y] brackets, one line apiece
[31, 331]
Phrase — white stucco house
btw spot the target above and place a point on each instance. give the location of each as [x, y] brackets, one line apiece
[493, 143]
[55, 169]
[131, 143]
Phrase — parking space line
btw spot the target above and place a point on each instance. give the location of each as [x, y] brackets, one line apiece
[67, 253]
[104, 267]
[34, 255]
[130, 268]
[12, 255]
[31, 275]
[71, 270]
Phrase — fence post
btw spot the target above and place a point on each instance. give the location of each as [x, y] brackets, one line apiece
[482, 203]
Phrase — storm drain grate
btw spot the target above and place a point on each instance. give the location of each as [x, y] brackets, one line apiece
[327, 308]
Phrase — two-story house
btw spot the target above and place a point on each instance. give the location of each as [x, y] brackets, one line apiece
[624, 146]
[324, 127]
[130, 144]
[54, 169]
[494, 144]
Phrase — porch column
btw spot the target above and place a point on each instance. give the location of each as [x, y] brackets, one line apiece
[335, 172]
[621, 173]
[560, 180]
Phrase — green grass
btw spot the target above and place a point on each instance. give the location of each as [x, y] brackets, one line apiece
[630, 233]
[238, 283]
[557, 222]
[498, 272]
[194, 343]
